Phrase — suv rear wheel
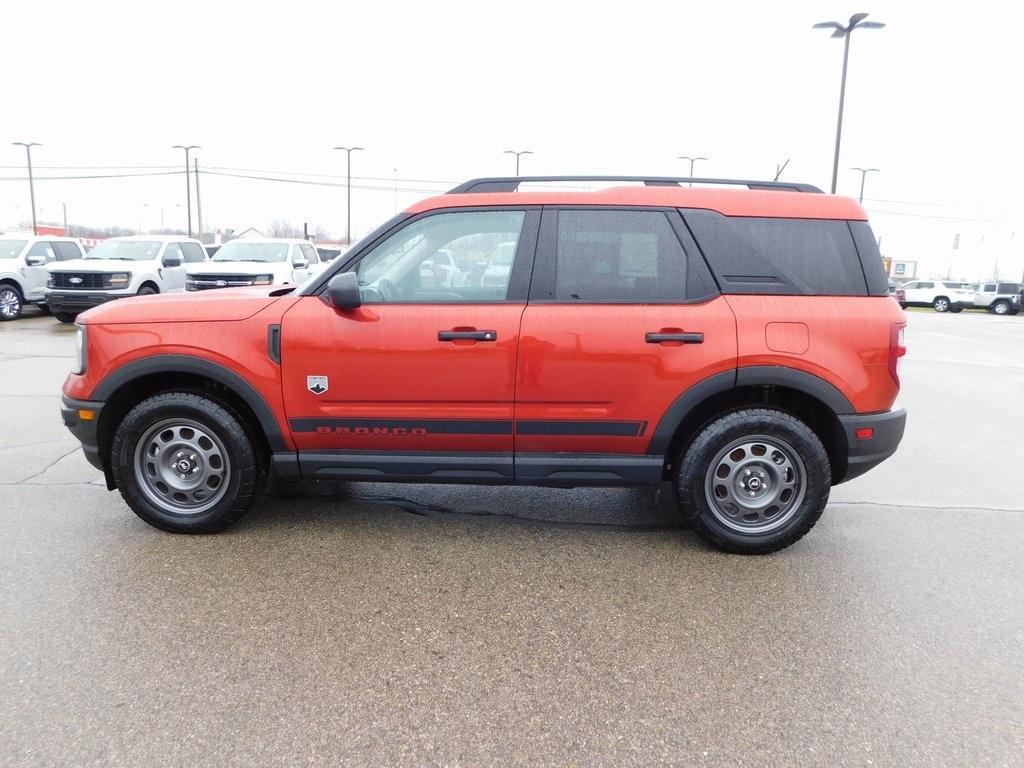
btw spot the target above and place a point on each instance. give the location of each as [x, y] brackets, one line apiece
[186, 464]
[753, 481]
[1001, 307]
[941, 304]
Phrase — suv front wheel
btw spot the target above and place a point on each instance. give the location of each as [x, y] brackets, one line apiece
[186, 464]
[753, 481]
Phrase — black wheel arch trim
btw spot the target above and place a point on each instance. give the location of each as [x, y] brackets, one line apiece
[755, 375]
[201, 367]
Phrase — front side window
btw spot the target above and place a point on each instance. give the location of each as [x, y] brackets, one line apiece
[310, 253]
[446, 257]
[43, 249]
[173, 252]
[67, 251]
[618, 256]
[193, 252]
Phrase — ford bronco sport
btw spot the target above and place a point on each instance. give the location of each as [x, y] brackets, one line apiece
[738, 342]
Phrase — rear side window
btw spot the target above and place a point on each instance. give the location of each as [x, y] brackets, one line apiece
[812, 257]
[618, 256]
[67, 251]
[1008, 288]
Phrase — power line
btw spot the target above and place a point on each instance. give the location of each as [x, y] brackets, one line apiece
[91, 176]
[946, 218]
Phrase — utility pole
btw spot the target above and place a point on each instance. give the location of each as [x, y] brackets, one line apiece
[65, 207]
[188, 183]
[31, 182]
[199, 205]
[844, 31]
[348, 191]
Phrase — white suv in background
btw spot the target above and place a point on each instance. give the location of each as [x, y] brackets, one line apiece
[255, 261]
[941, 295]
[120, 267]
[23, 274]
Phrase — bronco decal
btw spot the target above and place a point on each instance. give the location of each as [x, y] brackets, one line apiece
[403, 427]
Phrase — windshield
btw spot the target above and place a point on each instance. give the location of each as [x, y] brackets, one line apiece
[237, 250]
[125, 250]
[9, 249]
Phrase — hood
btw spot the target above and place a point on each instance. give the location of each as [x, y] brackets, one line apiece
[98, 265]
[239, 268]
[224, 305]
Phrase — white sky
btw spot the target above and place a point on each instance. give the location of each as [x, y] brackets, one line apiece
[438, 89]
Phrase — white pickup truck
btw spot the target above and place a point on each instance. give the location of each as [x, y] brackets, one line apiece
[255, 261]
[23, 273]
[121, 267]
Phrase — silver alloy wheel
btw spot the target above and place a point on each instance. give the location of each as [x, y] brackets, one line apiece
[182, 466]
[755, 484]
[941, 305]
[1001, 308]
[10, 303]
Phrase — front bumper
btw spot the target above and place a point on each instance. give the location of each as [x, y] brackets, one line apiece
[85, 429]
[74, 302]
[886, 434]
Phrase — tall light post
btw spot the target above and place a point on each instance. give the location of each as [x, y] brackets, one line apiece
[31, 181]
[863, 175]
[844, 31]
[188, 184]
[693, 161]
[518, 153]
[348, 190]
[162, 209]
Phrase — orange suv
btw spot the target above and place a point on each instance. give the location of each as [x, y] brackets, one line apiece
[736, 339]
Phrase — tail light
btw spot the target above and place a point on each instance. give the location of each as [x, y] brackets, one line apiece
[896, 350]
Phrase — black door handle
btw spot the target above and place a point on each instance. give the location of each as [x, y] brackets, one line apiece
[467, 335]
[686, 338]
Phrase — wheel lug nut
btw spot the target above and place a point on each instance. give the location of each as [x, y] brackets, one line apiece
[192, 457]
[761, 473]
[746, 472]
[194, 470]
[751, 493]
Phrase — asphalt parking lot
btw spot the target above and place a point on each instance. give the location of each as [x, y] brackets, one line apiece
[419, 625]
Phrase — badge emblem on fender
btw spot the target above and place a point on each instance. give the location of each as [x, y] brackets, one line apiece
[316, 384]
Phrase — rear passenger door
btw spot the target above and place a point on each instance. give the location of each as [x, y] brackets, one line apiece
[623, 318]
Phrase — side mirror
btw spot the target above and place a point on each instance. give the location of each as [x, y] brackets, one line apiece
[35, 261]
[343, 291]
[172, 261]
[300, 264]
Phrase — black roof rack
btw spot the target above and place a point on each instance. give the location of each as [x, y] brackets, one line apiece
[511, 183]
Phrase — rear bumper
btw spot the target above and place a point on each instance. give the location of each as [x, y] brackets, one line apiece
[74, 302]
[886, 434]
[86, 430]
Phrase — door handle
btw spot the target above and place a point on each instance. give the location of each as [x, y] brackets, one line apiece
[685, 338]
[467, 335]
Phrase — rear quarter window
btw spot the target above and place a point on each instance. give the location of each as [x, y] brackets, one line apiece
[776, 256]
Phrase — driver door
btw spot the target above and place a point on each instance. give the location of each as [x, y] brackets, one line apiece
[173, 278]
[425, 366]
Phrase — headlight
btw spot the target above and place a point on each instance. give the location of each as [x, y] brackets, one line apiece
[81, 349]
[49, 282]
[190, 282]
[120, 279]
[263, 280]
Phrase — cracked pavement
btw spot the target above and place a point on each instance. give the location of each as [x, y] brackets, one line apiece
[356, 624]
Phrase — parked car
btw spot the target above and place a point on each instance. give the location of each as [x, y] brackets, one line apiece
[1000, 298]
[500, 266]
[897, 291]
[941, 295]
[255, 261]
[23, 274]
[739, 343]
[119, 267]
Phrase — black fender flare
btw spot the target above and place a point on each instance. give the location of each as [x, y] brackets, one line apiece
[201, 367]
[754, 375]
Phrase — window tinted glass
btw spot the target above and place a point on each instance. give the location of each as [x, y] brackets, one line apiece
[990, 287]
[310, 253]
[442, 258]
[628, 256]
[42, 248]
[926, 285]
[779, 256]
[173, 252]
[67, 251]
[193, 252]
[1008, 288]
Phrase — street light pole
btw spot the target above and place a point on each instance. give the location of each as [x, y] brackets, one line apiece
[863, 175]
[348, 191]
[188, 183]
[31, 181]
[693, 161]
[518, 153]
[844, 31]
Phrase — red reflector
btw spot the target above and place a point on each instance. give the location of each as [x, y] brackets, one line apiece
[864, 433]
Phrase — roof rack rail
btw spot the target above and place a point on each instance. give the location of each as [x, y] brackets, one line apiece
[511, 183]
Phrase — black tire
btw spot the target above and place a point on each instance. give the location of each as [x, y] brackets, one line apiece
[243, 462]
[44, 308]
[1001, 307]
[12, 302]
[941, 304]
[695, 479]
[956, 308]
[146, 290]
[65, 317]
